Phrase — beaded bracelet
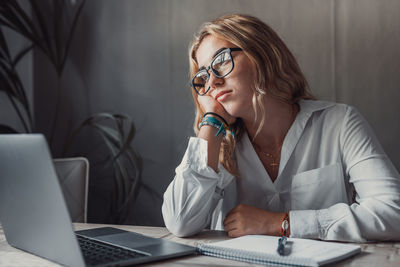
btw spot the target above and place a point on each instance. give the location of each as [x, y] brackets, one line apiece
[211, 121]
[217, 115]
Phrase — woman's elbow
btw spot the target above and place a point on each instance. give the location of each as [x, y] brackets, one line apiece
[179, 228]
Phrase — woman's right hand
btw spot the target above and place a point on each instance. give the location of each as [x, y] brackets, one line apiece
[209, 104]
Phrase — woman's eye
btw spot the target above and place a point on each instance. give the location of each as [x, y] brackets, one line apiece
[221, 60]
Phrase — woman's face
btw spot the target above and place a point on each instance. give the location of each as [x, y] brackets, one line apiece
[234, 91]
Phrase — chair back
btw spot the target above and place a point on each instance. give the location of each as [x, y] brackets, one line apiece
[73, 174]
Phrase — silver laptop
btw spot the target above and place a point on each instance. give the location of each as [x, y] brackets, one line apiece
[35, 218]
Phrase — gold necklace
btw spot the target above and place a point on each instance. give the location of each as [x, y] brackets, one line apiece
[275, 163]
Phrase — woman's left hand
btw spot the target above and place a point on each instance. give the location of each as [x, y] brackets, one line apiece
[248, 220]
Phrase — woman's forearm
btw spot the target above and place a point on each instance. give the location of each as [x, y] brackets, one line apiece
[214, 144]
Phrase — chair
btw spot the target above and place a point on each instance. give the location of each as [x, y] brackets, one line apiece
[73, 174]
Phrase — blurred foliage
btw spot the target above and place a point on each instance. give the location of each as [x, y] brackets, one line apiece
[49, 27]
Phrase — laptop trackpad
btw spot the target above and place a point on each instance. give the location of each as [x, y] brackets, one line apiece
[129, 240]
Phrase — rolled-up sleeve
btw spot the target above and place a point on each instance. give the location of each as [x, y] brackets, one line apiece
[375, 214]
[192, 196]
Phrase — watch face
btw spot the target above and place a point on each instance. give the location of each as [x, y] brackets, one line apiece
[285, 225]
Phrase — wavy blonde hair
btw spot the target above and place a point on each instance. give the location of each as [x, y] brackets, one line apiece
[277, 71]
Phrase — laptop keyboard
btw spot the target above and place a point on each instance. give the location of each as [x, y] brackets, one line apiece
[97, 253]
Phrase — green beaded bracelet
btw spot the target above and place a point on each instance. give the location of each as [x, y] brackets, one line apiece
[211, 121]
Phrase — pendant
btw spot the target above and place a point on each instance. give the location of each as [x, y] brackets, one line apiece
[273, 164]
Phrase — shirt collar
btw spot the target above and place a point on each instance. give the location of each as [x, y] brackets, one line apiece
[307, 108]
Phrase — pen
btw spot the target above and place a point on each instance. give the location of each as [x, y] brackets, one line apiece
[281, 245]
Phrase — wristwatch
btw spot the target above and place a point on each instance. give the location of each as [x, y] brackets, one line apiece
[285, 225]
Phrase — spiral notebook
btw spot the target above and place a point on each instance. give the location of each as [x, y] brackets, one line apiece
[262, 249]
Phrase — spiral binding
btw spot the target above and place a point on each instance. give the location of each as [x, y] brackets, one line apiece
[253, 257]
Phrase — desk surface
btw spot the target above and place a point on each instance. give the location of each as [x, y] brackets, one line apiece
[373, 254]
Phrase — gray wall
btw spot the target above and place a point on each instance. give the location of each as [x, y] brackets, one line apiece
[131, 57]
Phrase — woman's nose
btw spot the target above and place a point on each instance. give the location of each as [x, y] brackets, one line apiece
[214, 81]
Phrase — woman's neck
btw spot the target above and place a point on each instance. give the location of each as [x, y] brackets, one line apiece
[279, 116]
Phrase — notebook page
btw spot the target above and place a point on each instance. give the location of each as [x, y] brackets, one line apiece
[318, 251]
[322, 251]
[255, 243]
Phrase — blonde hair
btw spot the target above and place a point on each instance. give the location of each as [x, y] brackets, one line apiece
[277, 71]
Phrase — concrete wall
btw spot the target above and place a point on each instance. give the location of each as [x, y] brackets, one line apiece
[131, 57]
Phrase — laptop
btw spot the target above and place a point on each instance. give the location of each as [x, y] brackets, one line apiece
[35, 218]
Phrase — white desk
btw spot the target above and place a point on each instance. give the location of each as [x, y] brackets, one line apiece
[382, 254]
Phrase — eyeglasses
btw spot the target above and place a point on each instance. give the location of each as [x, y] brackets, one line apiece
[221, 66]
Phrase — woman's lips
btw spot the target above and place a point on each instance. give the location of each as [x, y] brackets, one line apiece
[222, 95]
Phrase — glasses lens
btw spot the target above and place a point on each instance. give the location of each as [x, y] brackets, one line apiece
[199, 82]
[222, 64]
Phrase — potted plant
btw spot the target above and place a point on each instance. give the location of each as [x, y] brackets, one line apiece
[52, 35]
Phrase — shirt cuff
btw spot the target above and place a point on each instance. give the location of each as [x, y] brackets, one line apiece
[304, 224]
[196, 158]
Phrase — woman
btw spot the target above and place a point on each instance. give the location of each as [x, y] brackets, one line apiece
[268, 158]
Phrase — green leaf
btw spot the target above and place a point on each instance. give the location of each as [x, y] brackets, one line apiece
[71, 33]
[4, 47]
[13, 84]
[16, 17]
[21, 54]
[7, 84]
[126, 164]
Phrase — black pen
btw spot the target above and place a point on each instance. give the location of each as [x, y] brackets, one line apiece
[281, 245]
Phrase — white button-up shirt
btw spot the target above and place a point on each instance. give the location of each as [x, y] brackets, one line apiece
[334, 179]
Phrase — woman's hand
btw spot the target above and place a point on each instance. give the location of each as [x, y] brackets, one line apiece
[248, 220]
[209, 104]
